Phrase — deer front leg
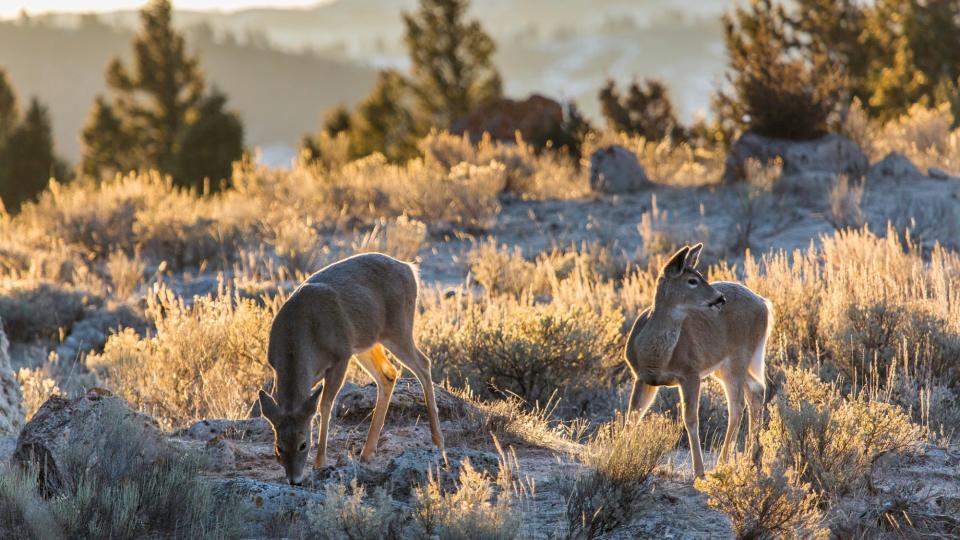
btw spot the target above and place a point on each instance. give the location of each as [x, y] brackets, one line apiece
[332, 382]
[690, 407]
[641, 398]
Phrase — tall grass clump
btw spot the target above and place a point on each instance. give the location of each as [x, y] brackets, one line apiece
[619, 463]
[205, 360]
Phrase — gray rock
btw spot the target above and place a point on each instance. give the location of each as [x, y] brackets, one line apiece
[355, 403]
[416, 466]
[8, 444]
[64, 430]
[268, 503]
[253, 430]
[940, 174]
[11, 398]
[831, 153]
[614, 169]
[894, 166]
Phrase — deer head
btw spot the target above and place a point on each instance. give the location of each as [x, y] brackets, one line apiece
[291, 432]
[680, 287]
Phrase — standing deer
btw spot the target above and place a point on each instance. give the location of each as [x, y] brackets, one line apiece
[353, 307]
[695, 329]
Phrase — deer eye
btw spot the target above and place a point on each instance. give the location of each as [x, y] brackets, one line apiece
[693, 282]
[303, 446]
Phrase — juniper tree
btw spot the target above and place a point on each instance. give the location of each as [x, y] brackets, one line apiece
[207, 146]
[27, 161]
[645, 110]
[775, 93]
[452, 70]
[383, 121]
[154, 104]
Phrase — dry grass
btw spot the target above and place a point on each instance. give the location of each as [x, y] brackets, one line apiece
[620, 461]
[764, 503]
[205, 360]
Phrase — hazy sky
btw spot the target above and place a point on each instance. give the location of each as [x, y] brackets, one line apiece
[9, 8]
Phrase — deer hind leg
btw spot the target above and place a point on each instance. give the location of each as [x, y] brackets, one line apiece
[733, 390]
[332, 381]
[378, 366]
[417, 362]
[641, 397]
[755, 396]
[690, 407]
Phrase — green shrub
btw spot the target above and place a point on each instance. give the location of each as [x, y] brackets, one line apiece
[835, 441]
[532, 351]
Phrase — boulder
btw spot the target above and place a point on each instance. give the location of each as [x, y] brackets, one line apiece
[537, 118]
[831, 153]
[11, 398]
[355, 403]
[88, 429]
[894, 166]
[614, 169]
[267, 503]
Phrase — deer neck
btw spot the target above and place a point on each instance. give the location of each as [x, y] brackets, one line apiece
[655, 343]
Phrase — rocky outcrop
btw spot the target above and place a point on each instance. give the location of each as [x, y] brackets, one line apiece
[11, 398]
[537, 118]
[357, 402]
[829, 154]
[894, 167]
[614, 169]
[87, 429]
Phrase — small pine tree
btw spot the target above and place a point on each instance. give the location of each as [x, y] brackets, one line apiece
[383, 121]
[27, 158]
[208, 145]
[646, 110]
[452, 62]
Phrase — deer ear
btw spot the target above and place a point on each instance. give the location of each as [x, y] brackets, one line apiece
[268, 407]
[309, 408]
[675, 265]
[693, 257]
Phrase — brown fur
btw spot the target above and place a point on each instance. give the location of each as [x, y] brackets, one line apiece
[681, 339]
[356, 306]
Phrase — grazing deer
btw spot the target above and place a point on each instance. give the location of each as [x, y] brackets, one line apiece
[695, 329]
[356, 306]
